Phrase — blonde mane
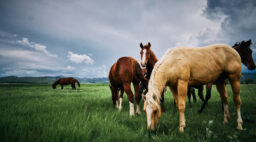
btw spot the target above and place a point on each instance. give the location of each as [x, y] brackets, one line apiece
[154, 95]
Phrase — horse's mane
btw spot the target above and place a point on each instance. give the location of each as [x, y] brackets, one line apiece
[155, 96]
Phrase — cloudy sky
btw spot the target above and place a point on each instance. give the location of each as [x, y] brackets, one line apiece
[83, 38]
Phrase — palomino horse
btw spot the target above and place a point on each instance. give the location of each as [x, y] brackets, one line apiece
[122, 73]
[148, 60]
[66, 81]
[243, 49]
[181, 67]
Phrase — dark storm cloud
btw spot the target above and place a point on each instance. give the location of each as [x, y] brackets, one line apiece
[240, 23]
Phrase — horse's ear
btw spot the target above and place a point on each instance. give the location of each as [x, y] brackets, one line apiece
[149, 45]
[141, 45]
[249, 41]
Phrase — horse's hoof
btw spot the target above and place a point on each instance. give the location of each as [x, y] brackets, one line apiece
[138, 112]
[181, 129]
[225, 121]
[119, 109]
[239, 127]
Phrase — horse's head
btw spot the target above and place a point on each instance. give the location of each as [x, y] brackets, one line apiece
[53, 86]
[152, 110]
[243, 48]
[145, 53]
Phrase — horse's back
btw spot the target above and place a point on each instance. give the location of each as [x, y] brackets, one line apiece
[201, 65]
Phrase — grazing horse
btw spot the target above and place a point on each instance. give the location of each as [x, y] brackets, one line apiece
[183, 67]
[148, 60]
[122, 73]
[243, 49]
[66, 81]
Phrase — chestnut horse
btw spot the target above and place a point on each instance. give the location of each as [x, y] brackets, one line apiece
[148, 60]
[243, 49]
[122, 73]
[183, 67]
[66, 81]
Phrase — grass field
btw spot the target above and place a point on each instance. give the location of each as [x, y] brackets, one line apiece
[39, 113]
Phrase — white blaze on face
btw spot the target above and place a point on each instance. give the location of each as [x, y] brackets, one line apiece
[143, 60]
[149, 112]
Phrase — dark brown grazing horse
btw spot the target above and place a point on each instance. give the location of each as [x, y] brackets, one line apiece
[66, 81]
[122, 73]
[243, 48]
[148, 60]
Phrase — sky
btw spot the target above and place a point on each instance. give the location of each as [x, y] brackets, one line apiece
[83, 38]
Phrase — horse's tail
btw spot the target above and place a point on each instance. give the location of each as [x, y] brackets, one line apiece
[140, 75]
[78, 83]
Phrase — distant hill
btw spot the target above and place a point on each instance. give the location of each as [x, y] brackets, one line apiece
[47, 79]
[247, 78]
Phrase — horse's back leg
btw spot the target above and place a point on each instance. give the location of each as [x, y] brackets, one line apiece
[200, 92]
[189, 94]
[193, 94]
[235, 84]
[128, 91]
[137, 96]
[121, 99]
[182, 87]
[61, 87]
[224, 98]
[207, 97]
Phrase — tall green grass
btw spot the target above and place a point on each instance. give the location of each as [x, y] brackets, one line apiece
[39, 113]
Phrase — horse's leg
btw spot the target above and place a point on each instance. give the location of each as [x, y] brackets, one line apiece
[189, 94]
[73, 86]
[121, 99]
[200, 92]
[162, 100]
[208, 96]
[182, 87]
[61, 86]
[137, 96]
[175, 96]
[193, 94]
[235, 84]
[224, 98]
[128, 91]
[115, 96]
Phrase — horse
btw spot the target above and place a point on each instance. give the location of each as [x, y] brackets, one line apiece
[66, 81]
[243, 49]
[148, 60]
[183, 67]
[122, 73]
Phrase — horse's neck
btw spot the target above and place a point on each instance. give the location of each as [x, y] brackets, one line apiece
[151, 63]
[157, 83]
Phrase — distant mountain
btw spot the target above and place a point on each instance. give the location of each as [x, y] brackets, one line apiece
[47, 79]
[246, 78]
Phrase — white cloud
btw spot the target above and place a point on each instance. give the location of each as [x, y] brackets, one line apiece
[36, 46]
[80, 58]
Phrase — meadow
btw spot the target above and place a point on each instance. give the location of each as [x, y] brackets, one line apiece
[39, 113]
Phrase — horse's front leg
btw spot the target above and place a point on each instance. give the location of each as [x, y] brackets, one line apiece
[182, 87]
[224, 98]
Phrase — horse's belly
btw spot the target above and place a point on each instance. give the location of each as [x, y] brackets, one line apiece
[203, 78]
